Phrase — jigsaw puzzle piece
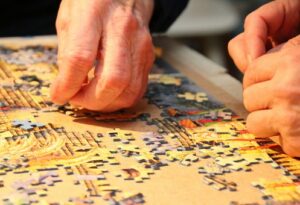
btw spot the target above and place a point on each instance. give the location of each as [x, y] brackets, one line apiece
[27, 124]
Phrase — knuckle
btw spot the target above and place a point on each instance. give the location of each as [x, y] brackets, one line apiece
[249, 78]
[125, 21]
[289, 121]
[132, 21]
[114, 83]
[288, 124]
[285, 93]
[249, 18]
[290, 133]
[78, 58]
[118, 80]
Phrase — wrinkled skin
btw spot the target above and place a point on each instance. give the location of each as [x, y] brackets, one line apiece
[268, 52]
[111, 35]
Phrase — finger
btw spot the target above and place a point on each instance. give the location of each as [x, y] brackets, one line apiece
[262, 69]
[129, 95]
[258, 96]
[146, 75]
[288, 117]
[261, 23]
[237, 51]
[62, 22]
[262, 124]
[79, 52]
[115, 74]
[142, 62]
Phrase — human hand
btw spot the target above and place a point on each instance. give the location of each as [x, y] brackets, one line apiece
[111, 35]
[272, 96]
[264, 29]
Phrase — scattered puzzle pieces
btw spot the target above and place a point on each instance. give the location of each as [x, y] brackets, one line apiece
[212, 168]
[219, 183]
[181, 129]
[198, 97]
[283, 190]
[27, 124]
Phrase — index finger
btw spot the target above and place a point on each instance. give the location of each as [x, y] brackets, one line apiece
[116, 63]
[261, 23]
[262, 69]
[79, 52]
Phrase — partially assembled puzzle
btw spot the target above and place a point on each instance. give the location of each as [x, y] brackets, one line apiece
[177, 146]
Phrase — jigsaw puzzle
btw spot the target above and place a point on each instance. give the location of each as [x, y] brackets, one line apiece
[177, 146]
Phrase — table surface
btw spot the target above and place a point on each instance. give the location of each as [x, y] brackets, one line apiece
[184, 149]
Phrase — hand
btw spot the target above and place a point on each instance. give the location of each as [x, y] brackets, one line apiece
[264, 29]
[113, 37]
[272, 96]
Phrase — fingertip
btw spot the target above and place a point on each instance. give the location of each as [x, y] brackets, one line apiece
[236, 50]
[56, 96]
[260, 123]
[79, 98]
[230, 47]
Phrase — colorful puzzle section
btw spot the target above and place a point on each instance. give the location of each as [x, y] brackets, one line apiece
[179, 147]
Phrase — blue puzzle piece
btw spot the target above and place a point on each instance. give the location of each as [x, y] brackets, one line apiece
[26, 124]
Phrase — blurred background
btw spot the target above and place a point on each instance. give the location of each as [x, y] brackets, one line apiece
[205, 25]
[208, 25]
